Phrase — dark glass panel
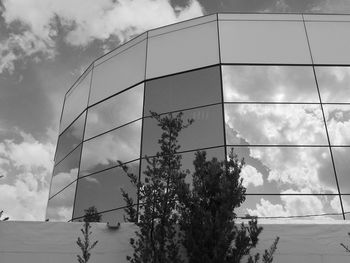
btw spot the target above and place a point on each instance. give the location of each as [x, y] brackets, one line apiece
[269, 84]
[76, 101]
[206, 131]
[65, 172]
[187, 161]
[102, 190]
[274, 170]
[187, 90]
[60, 207]
[122, 144]
[341, 157]
[338, 123]
[114, 112]
[302, 206]
[334, 84]
[70, 138]
[274, 124]
[118, 73]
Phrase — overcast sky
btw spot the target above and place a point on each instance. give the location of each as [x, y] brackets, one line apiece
[46, 44]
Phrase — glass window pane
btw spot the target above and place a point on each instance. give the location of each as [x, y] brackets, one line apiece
[182, 50]
[300, 206]
[275, 170]
[70, 138]
[263, 42]
[329, 42]
[114, 112]
[178, 92]
[65, 172]
[338, 123]
[102, 152]
[187, 161]
[102, 190]
[60, 207]
[118, 73]
[269, 84]
[341, 162]
[334, 84]
[274, 124]
[206, 131]
[76, 101]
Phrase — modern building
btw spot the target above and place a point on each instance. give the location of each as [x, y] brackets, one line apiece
[275, 87]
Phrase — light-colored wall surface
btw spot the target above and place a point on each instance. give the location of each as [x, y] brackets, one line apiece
[49, 242]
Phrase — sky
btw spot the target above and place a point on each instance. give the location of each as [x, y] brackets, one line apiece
[46, 44]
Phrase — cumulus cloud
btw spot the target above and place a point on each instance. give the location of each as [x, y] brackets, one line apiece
[25, 44]
[82, 21]
[297, 167]
[61, 180]
[28, 164]
[276, 84]
[122, 144]
[338, 122]
[290, 205]
[251, 176]
[60, 208]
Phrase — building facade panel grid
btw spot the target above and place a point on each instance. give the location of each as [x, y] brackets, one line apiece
[319, 150]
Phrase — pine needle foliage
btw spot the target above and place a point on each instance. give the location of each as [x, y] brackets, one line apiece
[92, 215]
[85, 244]
[204, 210]
[157, 240]
[208, 218]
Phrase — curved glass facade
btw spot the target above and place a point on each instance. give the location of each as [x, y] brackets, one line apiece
[270, 86]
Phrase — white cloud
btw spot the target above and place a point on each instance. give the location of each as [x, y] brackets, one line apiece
[83, 21]
[61, 180]
[19, 46]
[296, 167]
[29, 154]
[251, 176]
[338, 122]
[291, 205]
[122, 144]
[24, 193]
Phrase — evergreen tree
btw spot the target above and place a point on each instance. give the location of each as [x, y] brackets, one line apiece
[157, 239]
[204, 211]
[92, 215]
[85, 244]
[208, 218]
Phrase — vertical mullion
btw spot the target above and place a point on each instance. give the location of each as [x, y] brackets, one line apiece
[141, 142]
[324, 120]
[221, 88]
[82, 144]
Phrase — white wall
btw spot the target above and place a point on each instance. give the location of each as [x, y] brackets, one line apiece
[49, 242]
